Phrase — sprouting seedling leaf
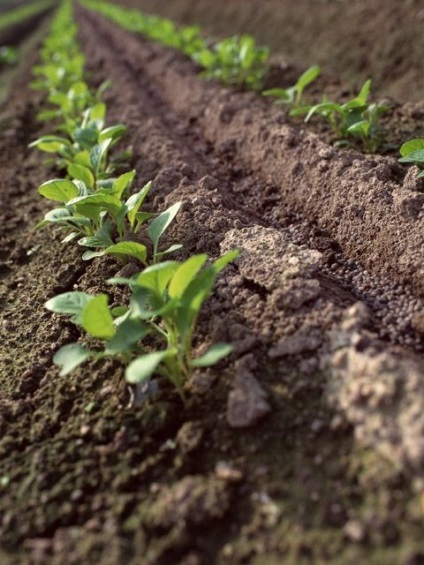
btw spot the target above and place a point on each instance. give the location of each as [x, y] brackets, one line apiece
[307, 78]
[135, 201]
[160, 224]
[214, 354]
[50, 143]
[142, 368]
[72, 303]
[415, 157]
[71, 356]
[156, 277]
[411, 146]
[122, 184]
[98, 154]
[81, 173]
[113, 133]
[185, 273]
[130, 249]
[61, 190]
[293, 94]
[97, 319]
[128, 333]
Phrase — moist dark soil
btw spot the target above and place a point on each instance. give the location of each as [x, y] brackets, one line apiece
[306, 444]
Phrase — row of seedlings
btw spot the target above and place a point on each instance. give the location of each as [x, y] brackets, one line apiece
[239, 61]
[16, 16]
[100, 212]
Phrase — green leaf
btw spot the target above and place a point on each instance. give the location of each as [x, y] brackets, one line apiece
[142, 368]
[86, 137]
[156, 277]
[88, 255]
[93, 204]
[70, 356]
[135, 201]
[50, 143]
[81, 173]
[60, 190]
[214, 354]
[364, 92]
[411, 146]
[98, 153]
[161, 223]
[113, 133]
[122, 184]
[361, 128]
[97, 319]
[97, 113]
[72, 303]
[171, 249]
[127, 335]
[185, 273]
[283, 94]
[129, 248]
[307, 77]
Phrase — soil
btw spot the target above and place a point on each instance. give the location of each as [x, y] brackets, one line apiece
[306, 445]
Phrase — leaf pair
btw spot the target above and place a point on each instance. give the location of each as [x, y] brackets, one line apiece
[293, 95]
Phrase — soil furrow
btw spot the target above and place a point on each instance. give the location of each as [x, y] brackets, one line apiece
[305, 445]
[358, 199]
[181, 141]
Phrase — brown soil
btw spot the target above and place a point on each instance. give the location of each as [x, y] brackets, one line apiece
[306, 445]
[352, 39]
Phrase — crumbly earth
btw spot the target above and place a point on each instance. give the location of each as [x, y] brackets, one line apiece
[306, 444]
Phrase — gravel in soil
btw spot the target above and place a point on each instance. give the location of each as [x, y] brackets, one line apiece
[306, 445]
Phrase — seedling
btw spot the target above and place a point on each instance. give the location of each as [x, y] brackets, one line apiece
[85, 151]
[293, 95]
[95, 213]
[236, 60]
[165, 304]
[413, 154]
[356, 118]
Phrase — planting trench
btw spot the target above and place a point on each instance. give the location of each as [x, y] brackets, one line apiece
[306, 446]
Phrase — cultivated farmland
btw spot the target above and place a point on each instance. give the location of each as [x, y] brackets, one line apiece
[211, 300]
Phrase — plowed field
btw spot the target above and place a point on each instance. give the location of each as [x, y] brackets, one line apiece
[306, 445]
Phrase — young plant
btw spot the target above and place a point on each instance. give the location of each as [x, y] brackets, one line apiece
[413, 154]
[165, 304]
[293, 95]
[356, 118]
[235, 61]
[98, 215]
[85, 151]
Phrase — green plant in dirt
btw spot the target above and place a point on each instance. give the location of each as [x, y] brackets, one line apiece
[186, 38]
[413, 154]
[85, 151]
[165, 304]
[293, 95]
[100, 217]
[235, 60]
[8, 55]
[356, 118]
[12, 17]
